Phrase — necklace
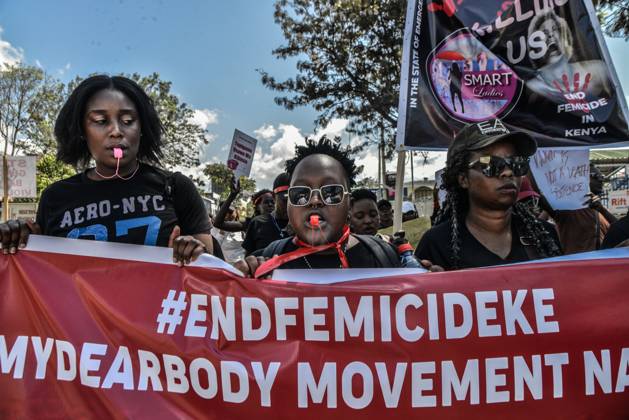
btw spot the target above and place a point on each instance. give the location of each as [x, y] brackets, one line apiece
[307, 263]
[137, 166]
[310, 266]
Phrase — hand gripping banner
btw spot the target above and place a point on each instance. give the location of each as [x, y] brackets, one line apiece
[541, 66]
[87, 332]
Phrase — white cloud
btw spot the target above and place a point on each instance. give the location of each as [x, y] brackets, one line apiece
[268, 163]
[336, 127]
[8, 53]
[266, 132]
[204, 118]
[421, 169]
[266, 166]
[64, 69]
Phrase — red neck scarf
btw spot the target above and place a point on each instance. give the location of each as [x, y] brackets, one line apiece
[304, 250]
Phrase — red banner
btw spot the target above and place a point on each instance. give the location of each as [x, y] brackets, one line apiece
[84, 337]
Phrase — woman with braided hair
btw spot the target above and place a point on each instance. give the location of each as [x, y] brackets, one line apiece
[481, 223]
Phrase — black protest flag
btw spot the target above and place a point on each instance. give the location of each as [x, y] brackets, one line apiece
[539, 65]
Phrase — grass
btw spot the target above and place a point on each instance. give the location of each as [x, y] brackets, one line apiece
[414, 229]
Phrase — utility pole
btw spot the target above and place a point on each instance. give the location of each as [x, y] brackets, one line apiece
[383, 166]
[412, 179]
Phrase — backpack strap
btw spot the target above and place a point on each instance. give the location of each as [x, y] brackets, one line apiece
[276, 247]
[385, 255]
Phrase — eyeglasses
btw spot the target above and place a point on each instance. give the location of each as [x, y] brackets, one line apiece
[491, 166]
[331, 195]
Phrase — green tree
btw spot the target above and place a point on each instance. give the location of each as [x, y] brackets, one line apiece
[21, 99]
[614, 16]
[50, 170]
[221, 177]
[182, 140]
[349, 58]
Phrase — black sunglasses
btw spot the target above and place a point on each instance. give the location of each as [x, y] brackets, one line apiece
[331, 195]
[491, 166]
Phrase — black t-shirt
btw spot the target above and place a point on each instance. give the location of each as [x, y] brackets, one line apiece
[138, 211]
[263, 230]
[617, 233]
[358, 256]
[435, 246]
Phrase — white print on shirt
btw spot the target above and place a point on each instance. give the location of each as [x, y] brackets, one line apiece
[140, 203]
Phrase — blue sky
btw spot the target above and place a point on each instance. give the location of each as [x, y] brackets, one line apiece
[209, 49]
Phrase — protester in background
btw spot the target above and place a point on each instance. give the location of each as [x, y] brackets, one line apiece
[364, 217]
[386, 213]
[263, 203]
[230, 242]
[318, 209]
[435, 204]
[481, 224]
[618, 234]
[531, 199]
[125, 197]
[584, 229]
[270, 226]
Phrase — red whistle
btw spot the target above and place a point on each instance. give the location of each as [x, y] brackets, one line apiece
[314, 220]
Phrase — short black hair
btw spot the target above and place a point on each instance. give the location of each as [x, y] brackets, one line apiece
[282, 180]
[384, 203]
[260, 193]
[71, 144]
[328, 147]
[363, 194]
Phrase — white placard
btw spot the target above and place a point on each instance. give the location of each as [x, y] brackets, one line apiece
[563, 176]
[618, 201]
[21, 176]
[241, 153]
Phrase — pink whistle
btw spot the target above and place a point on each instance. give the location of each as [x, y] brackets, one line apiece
[314, 220]
[118, 153]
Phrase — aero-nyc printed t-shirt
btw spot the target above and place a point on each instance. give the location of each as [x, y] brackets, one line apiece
[137, 211]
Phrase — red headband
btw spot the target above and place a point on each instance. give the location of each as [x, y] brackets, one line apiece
[304, 250]
[280, 189]
[257, 200]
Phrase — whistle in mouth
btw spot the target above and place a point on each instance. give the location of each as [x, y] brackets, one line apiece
[118, 153]
[314, 220]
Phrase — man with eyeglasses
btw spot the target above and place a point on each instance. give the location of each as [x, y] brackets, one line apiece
[318, 209]
[481, 223]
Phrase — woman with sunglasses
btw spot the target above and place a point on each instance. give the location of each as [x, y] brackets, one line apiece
[318, 211]
[481, 223]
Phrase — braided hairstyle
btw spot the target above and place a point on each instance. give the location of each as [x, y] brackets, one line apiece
[456, 206]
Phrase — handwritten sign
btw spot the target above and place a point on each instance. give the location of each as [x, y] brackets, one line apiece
[241, 153]
[563, 176]
[21, 176]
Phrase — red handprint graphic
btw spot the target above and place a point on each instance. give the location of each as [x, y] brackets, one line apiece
[448, 7]
[575, 94]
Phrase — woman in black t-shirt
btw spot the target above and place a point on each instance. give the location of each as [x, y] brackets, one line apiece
[124, 197]
[481, 224]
